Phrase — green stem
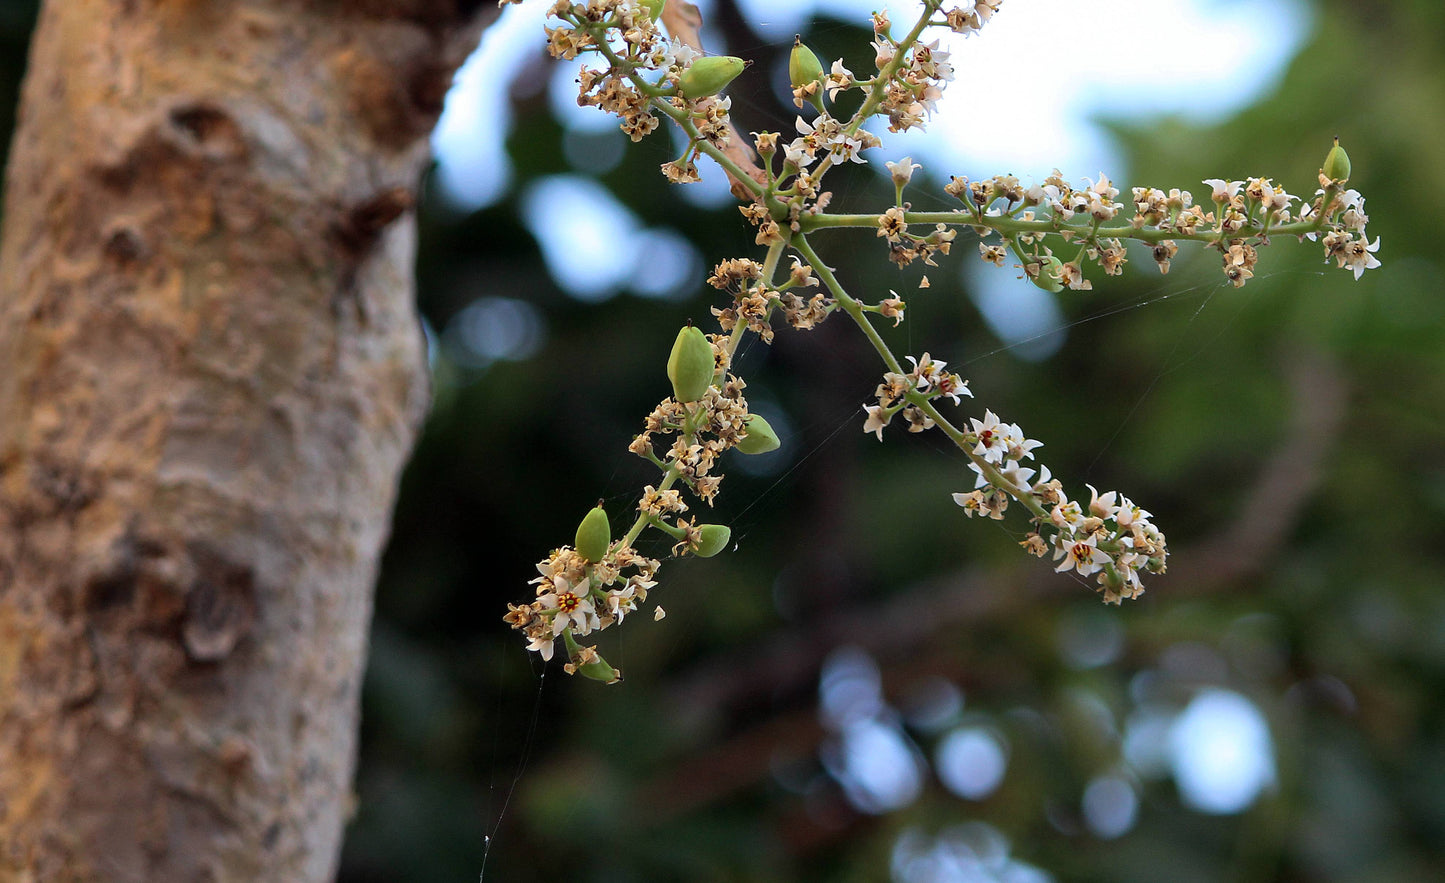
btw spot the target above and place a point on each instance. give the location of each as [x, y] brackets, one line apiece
[854, 309]
[850, 304]
[1006, 225]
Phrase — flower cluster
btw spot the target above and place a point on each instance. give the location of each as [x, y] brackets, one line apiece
[646, 72]
[909, 392]
[578, 591]
[755, 303]
[577, 597]
[914, 79]
[721, 413]
[1346, 241]
[1113, 540]
[1034, 221]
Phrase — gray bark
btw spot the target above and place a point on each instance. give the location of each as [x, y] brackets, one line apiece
[212, 374]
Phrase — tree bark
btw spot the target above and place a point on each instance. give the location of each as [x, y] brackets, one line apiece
[212, 373]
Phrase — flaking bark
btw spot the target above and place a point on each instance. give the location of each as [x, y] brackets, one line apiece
[210, 373]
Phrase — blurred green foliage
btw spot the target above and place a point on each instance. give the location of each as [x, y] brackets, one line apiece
[1288, 436]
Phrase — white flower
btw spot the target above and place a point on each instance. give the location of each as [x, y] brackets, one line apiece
[1066, 514]
[877, 419]
[1361, 257]
[846, 147]
[932, 62]
[952, 386]
[621, 601]
[1128, 514]
[683, 55]
[798, 153]
[543, 644]
[926, 371]
[1224, 190]
[972, 502]
[1083, 555]
[902, 171]
[1105, 190]
[574, 608]
[884, 49]
[1017, 476]
[985, 9]
[991, 445]
[1102, 506]
[839, 78]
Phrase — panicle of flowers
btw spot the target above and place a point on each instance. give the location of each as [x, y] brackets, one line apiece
[1051, 230]
[1112, 539]
[1039, 222]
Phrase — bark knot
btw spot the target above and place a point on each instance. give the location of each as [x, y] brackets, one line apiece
[220, 605]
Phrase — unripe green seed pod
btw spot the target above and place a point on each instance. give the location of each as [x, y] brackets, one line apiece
[1049, 274]
[760, 438]
[599, 670]
[690, 366]
[654, 8]
[804, 66]
[713, 540]
[708, 75]
[1337, 163]
[594, 534]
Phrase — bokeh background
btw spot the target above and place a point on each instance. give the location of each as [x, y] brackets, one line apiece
[871, 687]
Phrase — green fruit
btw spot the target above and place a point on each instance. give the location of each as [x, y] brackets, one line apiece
[713, 540]
[1050, 272]
[594, 535]
[804, 66]
[708, 75]
[597, 669]
[1337, 163]
[654, 8]
[690, 366]
[760, 438]
[600, 671]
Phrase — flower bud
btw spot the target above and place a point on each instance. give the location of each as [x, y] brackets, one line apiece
[713, 540]
[902, 171]
[654, 8]
[760, 438]
[1050, 274]
[709, 74]
[690, 366]
[1337, 163]
[594, 534]
[804, 68]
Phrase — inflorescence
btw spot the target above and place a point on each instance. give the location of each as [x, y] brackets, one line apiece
[1050, 231]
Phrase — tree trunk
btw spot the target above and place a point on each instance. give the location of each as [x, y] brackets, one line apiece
[212, 373]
